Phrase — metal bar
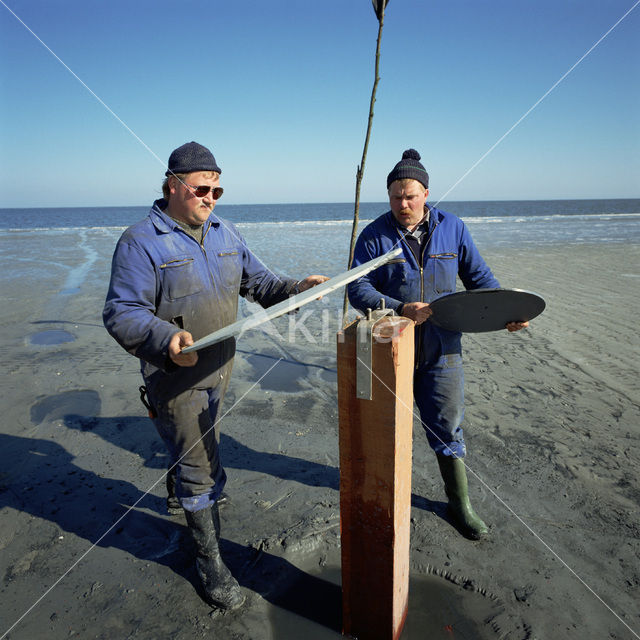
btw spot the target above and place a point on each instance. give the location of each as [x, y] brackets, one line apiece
[364, 350]
[295, 302]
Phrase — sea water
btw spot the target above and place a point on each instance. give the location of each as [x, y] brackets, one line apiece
[509, 223]
[299, 239]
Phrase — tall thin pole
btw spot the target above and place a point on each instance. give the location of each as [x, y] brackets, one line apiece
[360, 171]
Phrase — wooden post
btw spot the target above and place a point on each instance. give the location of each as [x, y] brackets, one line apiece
[375, 481]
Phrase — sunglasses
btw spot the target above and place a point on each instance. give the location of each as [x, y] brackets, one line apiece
[203, 190]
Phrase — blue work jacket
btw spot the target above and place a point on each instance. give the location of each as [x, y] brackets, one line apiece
[447, 253]
[163, 280]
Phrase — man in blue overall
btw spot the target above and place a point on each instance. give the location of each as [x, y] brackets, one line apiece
[176, 277]
[437, 248]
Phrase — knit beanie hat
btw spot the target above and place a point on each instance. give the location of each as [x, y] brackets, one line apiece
[191, 157]
[409, 167]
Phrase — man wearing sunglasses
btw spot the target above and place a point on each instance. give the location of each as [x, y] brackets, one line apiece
[176, 277]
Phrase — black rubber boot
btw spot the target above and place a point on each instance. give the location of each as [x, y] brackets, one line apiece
[221, 588]
[454, 475]
[173, 504]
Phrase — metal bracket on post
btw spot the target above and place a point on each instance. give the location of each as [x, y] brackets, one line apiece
[364, 350]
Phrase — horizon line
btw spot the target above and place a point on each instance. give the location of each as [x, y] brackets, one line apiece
[276, 204]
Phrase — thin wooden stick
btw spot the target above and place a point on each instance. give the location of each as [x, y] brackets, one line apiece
[360, 171]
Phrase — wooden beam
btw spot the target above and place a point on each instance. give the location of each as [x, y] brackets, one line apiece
[375, 481]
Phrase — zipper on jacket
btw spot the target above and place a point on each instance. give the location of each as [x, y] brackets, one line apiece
[421, 269]
[426, 244]
[204, 234]
[420, 261]
[206, 258]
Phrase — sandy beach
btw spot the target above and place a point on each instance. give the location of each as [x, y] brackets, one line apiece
[552, 426]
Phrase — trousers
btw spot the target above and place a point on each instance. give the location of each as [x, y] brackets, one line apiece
[186, 422]
[438, 391]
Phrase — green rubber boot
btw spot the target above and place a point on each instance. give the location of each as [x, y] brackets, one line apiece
[454, 475]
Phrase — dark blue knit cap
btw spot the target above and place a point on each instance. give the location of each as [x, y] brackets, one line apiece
[409, 167]
[192, 157]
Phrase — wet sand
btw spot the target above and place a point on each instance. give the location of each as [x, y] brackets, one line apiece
[552, 426]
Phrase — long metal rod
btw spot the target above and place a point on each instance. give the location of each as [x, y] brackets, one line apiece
[295, 302]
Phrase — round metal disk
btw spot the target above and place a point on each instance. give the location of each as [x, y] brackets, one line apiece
[485, 309]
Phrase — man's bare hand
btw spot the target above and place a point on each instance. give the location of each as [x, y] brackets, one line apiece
[178, 342]
[416, 311]
[516, 326]
[311, 281]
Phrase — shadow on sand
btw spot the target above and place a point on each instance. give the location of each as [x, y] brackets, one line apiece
[78, 410]
[46, 483]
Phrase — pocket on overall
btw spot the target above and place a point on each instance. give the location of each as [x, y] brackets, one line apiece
[229, 263]
[445, 270]
[180, 278]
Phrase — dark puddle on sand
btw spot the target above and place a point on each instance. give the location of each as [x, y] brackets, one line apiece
[282, 375]
[80, 403]
[437, 609]
[51, 337]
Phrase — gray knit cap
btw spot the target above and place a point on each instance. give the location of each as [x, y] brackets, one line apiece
[192, 157]
[409, 167]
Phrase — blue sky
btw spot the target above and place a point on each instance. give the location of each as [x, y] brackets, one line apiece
[280, 92]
